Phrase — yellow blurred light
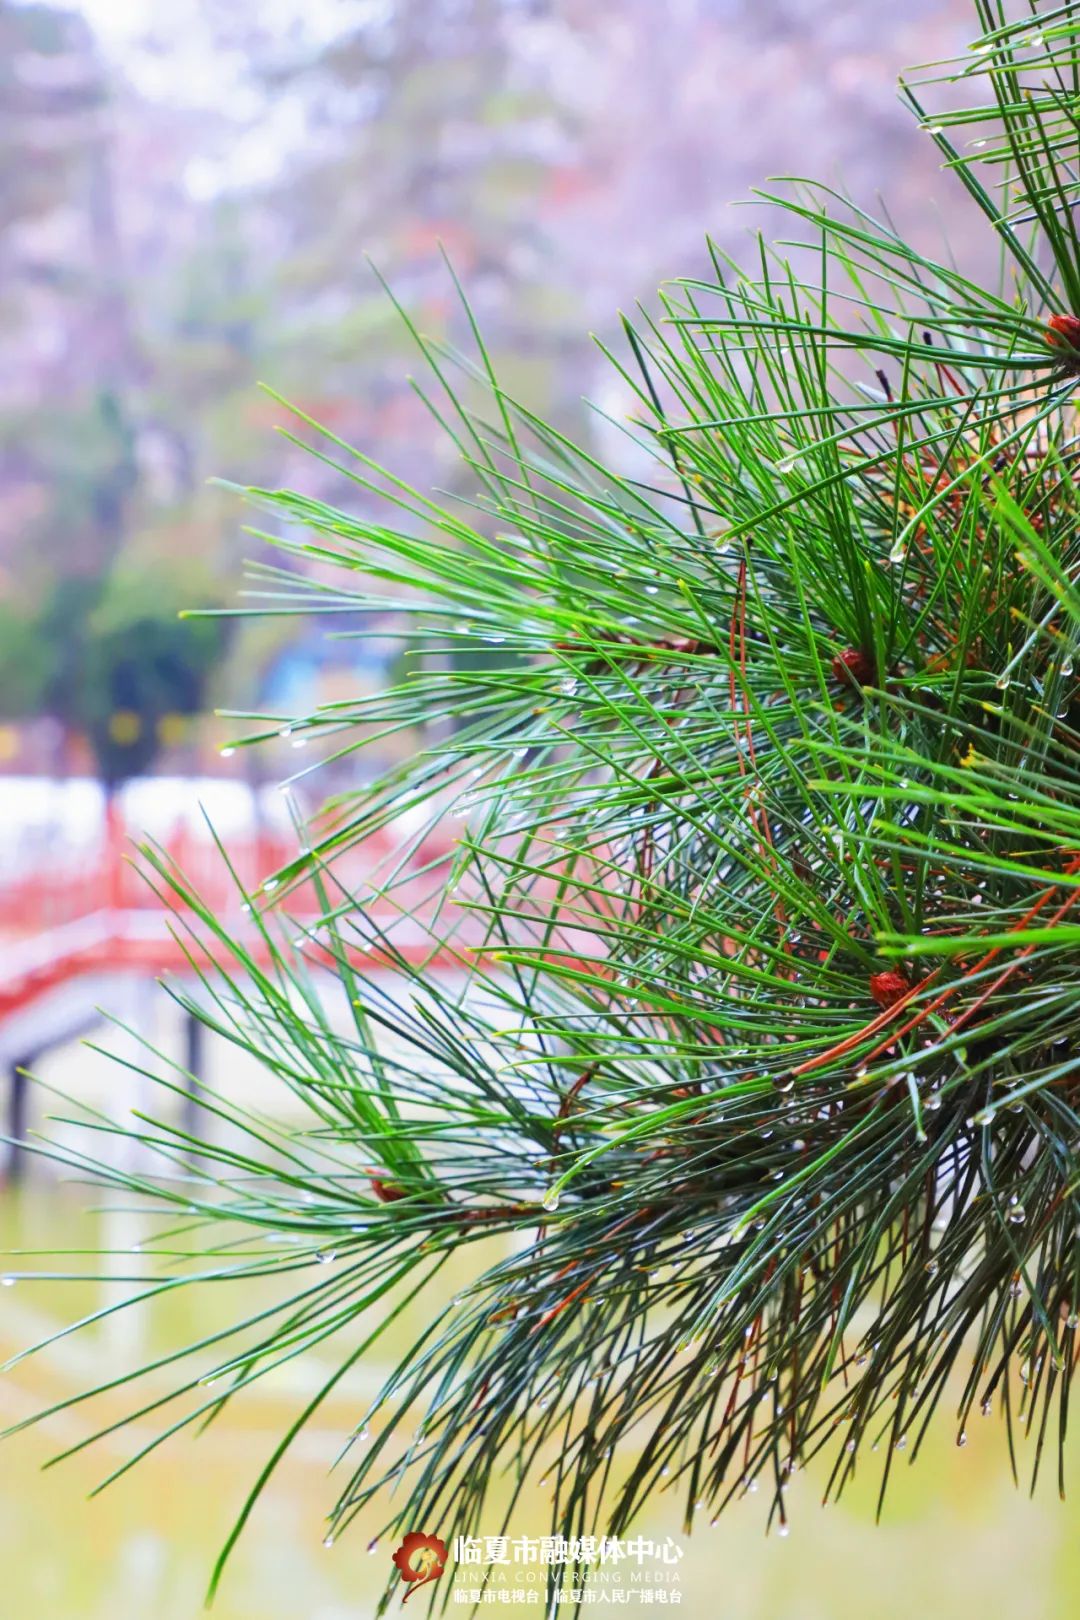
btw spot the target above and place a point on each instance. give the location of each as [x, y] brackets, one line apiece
[124, 727]
[172, 729]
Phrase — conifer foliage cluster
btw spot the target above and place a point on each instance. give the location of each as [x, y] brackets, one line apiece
[748, 1128]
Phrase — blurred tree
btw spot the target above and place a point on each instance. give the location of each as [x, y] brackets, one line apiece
[72, 361]
[25, 660]
[51, 90]
[89, 453]
[187, 207]
[124, 668]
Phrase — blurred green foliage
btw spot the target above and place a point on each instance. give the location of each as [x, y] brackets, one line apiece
[111, 658]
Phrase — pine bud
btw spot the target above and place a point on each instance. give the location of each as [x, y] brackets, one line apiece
[853, 667]
[1063, 332]
[889, 987]
[387, 1192]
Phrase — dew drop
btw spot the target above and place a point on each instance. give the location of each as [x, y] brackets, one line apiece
[961, 1438]
[227, 753]
[551, 1198]
[373, 1544]
[933, 1267]
[7, 1282]
[326, 1257]
[783, 1529]
[1072, 1320]
[1017, 1215]
[901, 1444]
[328, 1541]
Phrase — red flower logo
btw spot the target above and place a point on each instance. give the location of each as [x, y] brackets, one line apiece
[420, 1559]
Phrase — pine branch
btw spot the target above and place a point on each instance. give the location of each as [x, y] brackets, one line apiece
[767, 884]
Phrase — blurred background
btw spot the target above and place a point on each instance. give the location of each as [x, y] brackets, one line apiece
[188, 193]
